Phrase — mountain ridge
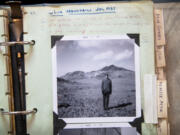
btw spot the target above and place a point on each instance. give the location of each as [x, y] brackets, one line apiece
[113, 67]
[112, 70]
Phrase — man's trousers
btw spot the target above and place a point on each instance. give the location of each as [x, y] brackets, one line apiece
[105, 101]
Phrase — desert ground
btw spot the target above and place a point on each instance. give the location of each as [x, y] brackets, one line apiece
[79, 93]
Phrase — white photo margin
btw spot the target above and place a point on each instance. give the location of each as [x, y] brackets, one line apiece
[99, 120]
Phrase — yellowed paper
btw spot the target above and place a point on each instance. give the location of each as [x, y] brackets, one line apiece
[162, 98]
[160, 57]
[163, 127]
[171, 12]
[134, 17]
[43, 22]
[4, 119]
[160, 74]
[159, 27]
[150, 99]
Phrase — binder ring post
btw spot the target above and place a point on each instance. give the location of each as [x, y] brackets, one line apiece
[18, 112]
[17, 43]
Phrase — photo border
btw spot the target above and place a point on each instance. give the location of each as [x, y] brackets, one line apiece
[100, 120]
[96, 126]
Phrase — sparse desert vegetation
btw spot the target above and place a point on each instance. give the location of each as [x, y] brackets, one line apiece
[79, 93]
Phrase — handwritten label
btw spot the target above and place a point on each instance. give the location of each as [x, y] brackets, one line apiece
[162, 98]
[85, 11]
[162, 127]
[160, 74]
[95, 24]
[103, 19]
[159, 27]
[160, 56]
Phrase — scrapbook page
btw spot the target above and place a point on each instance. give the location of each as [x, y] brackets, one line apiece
[88, 66]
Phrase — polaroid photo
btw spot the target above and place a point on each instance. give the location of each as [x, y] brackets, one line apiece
[96, 79]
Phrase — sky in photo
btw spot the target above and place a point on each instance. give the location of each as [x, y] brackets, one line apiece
[91, 55]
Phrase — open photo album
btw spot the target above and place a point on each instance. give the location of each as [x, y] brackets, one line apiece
[82, 69]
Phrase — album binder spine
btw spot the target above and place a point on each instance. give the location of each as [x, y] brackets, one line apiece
[15, 64]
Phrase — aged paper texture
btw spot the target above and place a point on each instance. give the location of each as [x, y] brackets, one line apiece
[162, 127]
[160, 57]
[150, 96]
[162, 98]
[159, 27]
[4, 119]
[171, 15]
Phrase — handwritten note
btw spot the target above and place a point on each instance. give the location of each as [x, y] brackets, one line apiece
[160, 57]
[86, 24]
[160, 74]
[162, 98]
[83, 11]
[99, 19]
[75, 19]
[159, 27]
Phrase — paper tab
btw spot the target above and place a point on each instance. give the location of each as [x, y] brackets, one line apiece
[160, 57]
[160, 74]
[159, 27]
[150, 99]
[162, 98]
[163, 127]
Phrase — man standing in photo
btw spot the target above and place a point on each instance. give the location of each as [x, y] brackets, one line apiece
[106, 88]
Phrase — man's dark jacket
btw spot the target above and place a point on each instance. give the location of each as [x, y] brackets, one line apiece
[106, 86]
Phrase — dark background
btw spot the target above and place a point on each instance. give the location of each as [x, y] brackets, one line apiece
[28, 2]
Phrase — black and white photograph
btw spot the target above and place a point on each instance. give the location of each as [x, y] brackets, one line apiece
[99, 131]
[97, 77]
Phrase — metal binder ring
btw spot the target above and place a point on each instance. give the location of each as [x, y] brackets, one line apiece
[17, 43]
[18, 112]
